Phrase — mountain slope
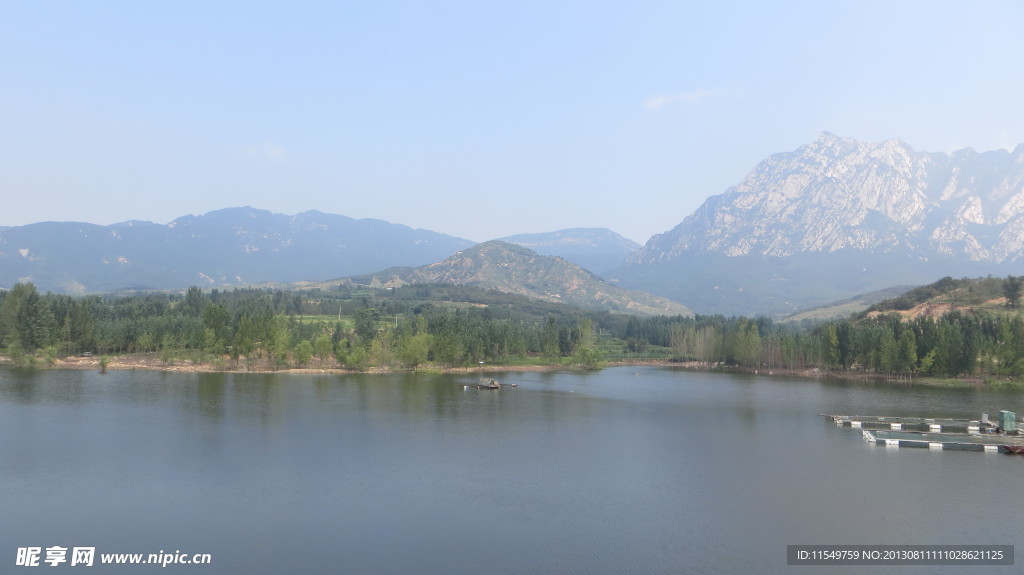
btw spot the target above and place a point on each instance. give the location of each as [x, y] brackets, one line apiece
[514, 269]
[222, 248]
[835, 218]
[968, 295]
[846, 308]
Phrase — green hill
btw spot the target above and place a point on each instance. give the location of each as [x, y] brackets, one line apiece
[517, 270]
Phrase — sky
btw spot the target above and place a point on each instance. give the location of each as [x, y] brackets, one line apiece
[474, 119]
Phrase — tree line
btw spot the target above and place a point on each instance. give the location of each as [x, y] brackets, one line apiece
[880, 341]
[459, 326]
[290, 329]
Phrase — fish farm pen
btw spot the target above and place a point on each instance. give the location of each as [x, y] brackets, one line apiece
[1002, 436]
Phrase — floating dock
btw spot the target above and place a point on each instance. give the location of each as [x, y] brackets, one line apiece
[958, 441]
[937, 425]
[939, 433]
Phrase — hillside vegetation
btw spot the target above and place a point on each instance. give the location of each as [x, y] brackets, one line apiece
[975, 295]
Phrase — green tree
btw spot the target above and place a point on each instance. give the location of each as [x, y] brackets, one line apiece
[745, 344]
[303, 352]
[277, 338]
[194, 302]
[588, 358]
[144, 342]
[323, 347]
[244, 342]
[447, 343]
[1012, 288]
[831, 342]
[8, 316]
[549, 339]
[77, 327]
[926, 362]
[217, 319]
[889, 352]
[907, 352]
[342, 351]
[366, 324]
[587, 355]
[36, 325]
[382, 349]
[358, 358]
[414, 349]
[10, 311]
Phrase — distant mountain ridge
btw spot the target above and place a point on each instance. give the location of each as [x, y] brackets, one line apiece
[514, 269]
[230, 247]
[835, 218]
[596, 249]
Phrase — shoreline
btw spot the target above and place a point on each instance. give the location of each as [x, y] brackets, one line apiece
[152, 362]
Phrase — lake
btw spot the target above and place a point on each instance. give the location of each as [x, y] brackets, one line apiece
[627, 470]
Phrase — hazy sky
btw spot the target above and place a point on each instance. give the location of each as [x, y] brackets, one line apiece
[476, 119]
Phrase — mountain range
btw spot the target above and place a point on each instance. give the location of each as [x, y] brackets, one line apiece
[831, 220]
[230, 247]
[247, 246]
[836, 218]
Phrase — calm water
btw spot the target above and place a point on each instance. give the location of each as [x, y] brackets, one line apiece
[629, 470]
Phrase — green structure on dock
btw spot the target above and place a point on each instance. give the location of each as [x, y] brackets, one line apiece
[1008, 420]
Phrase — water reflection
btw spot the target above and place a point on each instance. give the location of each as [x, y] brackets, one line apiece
[626, 470]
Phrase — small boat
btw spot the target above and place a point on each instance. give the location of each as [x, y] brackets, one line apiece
[491, 383]
[1014, 449]
[488, 383]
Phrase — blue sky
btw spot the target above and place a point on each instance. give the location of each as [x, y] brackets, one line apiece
[475, 119]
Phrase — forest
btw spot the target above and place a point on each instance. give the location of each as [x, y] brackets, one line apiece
[446, 326]
[449, 326]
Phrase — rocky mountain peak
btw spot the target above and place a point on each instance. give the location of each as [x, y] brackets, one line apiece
[838, 193]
